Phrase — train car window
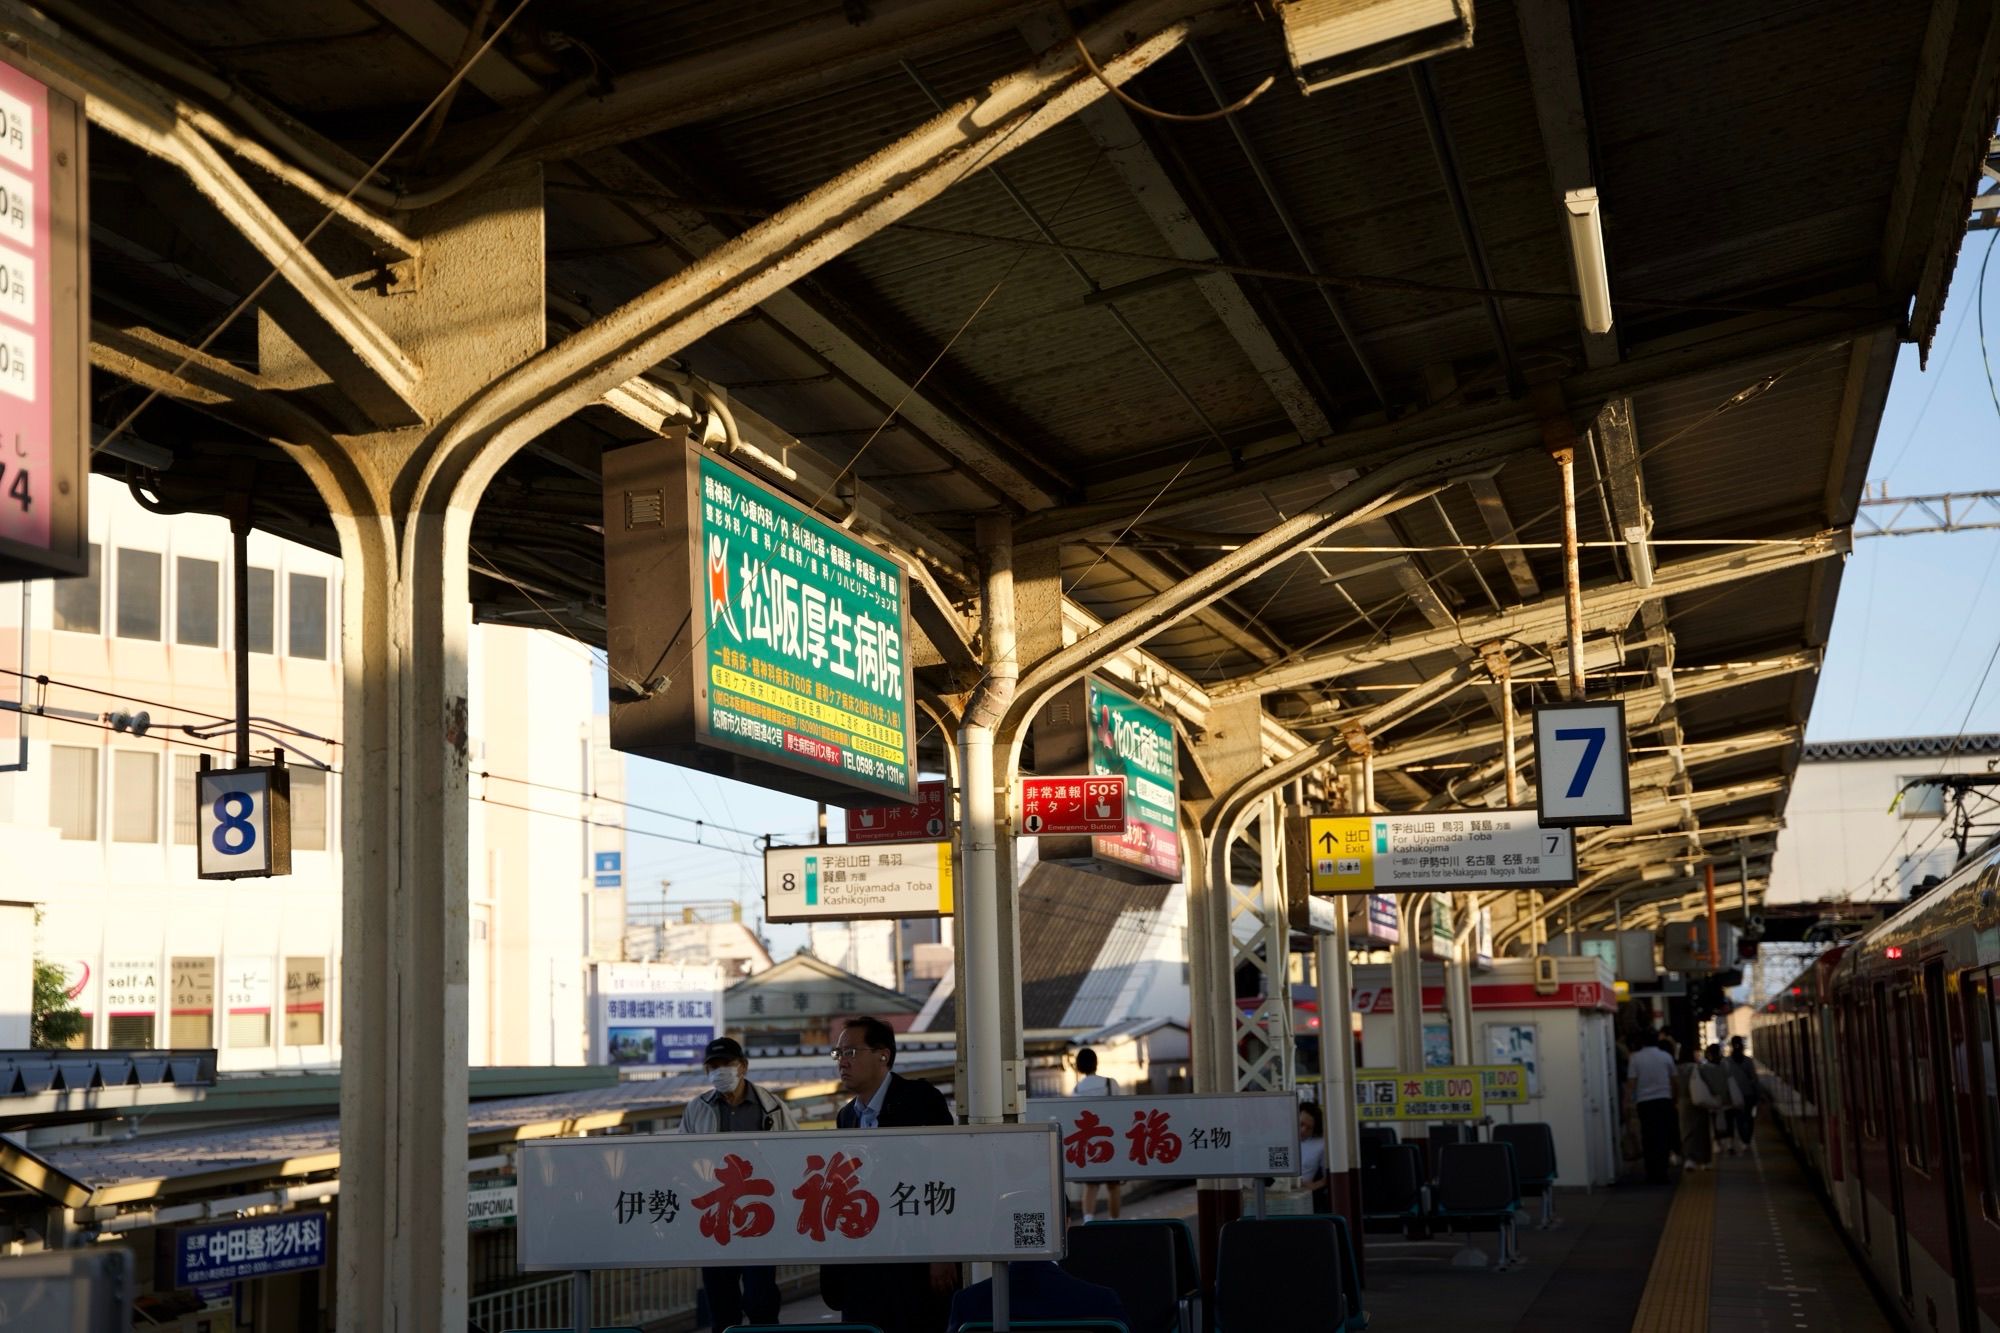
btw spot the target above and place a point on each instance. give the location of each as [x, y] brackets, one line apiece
[1983, 1079]
[1864, 1088]
[1913, 1039]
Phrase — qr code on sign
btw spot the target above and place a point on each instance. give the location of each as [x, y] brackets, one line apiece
[1031, 1231]
[1281, 1159]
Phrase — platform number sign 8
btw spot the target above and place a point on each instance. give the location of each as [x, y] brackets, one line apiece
[244, 822]
[1581, 775]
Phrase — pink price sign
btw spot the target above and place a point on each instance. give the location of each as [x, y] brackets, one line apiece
[1051, 806]
[27, 419]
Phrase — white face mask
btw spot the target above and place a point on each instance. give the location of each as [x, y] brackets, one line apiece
[724, 1078]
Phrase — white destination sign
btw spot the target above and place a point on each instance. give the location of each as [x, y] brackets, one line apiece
[972, 1192]
[850, 883]
[1198, 1134]
[1454, 849]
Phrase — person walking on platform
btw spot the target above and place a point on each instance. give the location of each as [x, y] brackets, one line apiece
[734, 1105]
[1743, 1071]
[1712, 1097]
[1652, 1081]
[896, 1298]
[1090, 1083]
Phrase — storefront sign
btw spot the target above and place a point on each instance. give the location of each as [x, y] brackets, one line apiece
[194, 986]
[875, 880]
[1432, 1094]
[656, 1013]
[248, 1248]
[834, 1196]
[926, 821]
[1174, 1137]
[770, 634]
[1069, 806]
[1131, 741]
[44, 297]
[1447, 850]
[131, 986]
[492, 1203]
[247, 985]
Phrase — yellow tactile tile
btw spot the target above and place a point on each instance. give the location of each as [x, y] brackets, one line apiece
[1676, 1298]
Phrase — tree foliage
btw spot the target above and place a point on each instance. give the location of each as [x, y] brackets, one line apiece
[55, 1022]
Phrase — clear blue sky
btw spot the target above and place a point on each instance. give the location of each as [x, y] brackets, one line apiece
[1917, 622]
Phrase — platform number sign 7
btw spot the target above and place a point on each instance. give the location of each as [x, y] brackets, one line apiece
[243, 822]
[1581, 775]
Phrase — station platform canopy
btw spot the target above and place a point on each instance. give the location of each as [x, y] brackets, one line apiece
[1144, 342]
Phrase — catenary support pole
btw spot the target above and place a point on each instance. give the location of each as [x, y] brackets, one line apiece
[1572, 576]
[1708, 893]
[1334, 973]
[239, 531]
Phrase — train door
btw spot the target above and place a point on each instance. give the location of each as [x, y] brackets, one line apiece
[1944, 1100]
[1855, 1104]
[1895, 1052]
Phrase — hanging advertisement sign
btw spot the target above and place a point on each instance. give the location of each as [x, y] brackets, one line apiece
[1445, 850]
[1174, 1137]
[1432, 1094]
[1499, 1084]
[655, 1013]
[1130, 740]
[870, 882]
[749, 637]
[973, 1192]
[493, 1203]
[1057, 806]
[44, 329]
[249, 1248]
[131, 986]
[926, 821]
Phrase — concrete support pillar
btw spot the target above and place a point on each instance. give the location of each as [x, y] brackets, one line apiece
[404, 547]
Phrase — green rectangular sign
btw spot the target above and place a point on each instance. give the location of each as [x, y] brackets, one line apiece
[1130, 740]
[803, 661]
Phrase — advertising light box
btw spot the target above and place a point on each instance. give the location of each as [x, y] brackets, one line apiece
[1218, 1135]
[749, 637]
[970, 1192]
[1099, 731]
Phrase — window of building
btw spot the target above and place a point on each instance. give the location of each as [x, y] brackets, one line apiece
[249, 1029]
[185, 767]
[305, 609]
[197, 602]
[135, 796]
[79, 603]
[192, 1021]
[263, 610]
[130, 1032]
[1924, 800]
[308, 809]
[73, 792]
[138, 594]
[305, 1001]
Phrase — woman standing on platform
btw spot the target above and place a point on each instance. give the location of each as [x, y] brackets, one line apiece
[1723, 1098]
[1697, 1131]
[1312, 1157]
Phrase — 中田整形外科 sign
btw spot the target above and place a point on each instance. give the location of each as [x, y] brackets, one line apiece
[751, 637]
[1433, 1094]
[249, 1248]
[1171, 1137]
[1444, 850]
[973, 1192]
[828, 882]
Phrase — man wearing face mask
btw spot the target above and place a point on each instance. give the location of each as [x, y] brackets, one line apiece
[735, 1105]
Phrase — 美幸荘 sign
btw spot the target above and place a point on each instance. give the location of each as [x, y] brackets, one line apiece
[1444, 850]
[1182, 1135]
[981, 1192]
[857, 883]
[249, 1248]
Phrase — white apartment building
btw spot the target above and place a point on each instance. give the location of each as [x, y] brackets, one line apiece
[98, 831]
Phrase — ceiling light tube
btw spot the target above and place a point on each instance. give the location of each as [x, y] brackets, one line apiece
[1586, 250]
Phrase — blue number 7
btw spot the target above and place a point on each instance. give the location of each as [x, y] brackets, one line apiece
[1593, 745]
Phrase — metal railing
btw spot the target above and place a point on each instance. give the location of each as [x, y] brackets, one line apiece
[618, 1296]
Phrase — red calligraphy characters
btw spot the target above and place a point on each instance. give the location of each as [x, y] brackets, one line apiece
[1151, 1140]
[726, 1212]
[1090, 1143]
[832, 1197]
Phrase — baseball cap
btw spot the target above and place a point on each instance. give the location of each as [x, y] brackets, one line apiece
[723, 1049]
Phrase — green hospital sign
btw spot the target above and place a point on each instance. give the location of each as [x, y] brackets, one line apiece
[1129, 739]
[803, 663]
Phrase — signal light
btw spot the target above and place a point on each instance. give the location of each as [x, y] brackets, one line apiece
[1798, 990]
[1893, 951]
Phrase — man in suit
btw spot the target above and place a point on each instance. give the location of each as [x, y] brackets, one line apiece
[896, 1298]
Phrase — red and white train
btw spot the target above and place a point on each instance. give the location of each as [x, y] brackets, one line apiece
[1881, 1062]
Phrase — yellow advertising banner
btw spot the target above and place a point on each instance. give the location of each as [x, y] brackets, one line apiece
[1499, 1085]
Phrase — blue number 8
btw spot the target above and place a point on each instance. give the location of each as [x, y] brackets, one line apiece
[234, 822]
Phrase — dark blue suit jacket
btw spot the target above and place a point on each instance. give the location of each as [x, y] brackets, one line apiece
[1037, 1289]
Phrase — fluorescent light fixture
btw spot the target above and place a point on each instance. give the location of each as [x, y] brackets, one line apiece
[1586, 251]
[1635, 542]
[1333, 41]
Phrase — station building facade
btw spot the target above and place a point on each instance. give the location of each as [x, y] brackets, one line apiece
[99, 828]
